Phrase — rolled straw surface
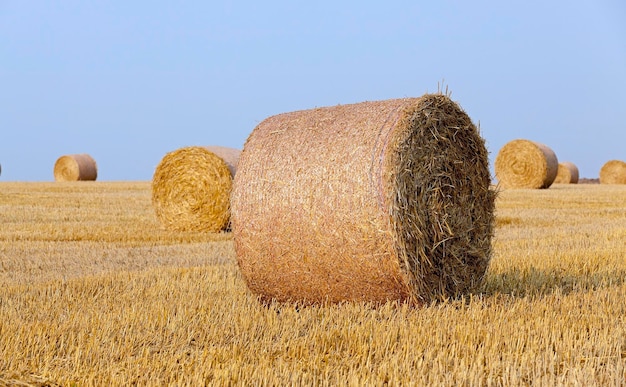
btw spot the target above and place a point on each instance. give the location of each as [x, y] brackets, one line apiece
[567, 173]
[191, 188]
[526, 164]
[75, 167]
[375, 201]
[613, 172]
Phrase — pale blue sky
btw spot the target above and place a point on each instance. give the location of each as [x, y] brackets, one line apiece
[128, 81]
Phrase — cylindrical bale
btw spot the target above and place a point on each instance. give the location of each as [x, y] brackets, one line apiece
[191, 188]
[567, 173]
[613, 172]
[526, 164]
[375, 201]
[76, 167]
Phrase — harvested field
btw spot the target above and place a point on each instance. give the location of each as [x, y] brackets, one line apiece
[94, 292]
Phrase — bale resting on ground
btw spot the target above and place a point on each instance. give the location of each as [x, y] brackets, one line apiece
[375, 201]
[76, 167]
[526, 164]
[567, 173]
[613, 172]
[191, 188]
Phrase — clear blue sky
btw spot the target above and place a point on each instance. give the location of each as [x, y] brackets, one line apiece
[129, 81]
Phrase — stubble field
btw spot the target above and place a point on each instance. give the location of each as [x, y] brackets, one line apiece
[94, 292]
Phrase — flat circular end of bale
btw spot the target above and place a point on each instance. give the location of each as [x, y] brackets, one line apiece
[443, 204]
[375, 201]
[567, 173]
[613, 172]
[76, 167]
[191, 188]
[526, 164]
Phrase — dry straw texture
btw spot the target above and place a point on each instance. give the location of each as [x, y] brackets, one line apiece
[567, 173]
[191, 188]
[526, 164]
[75, 168]
[613, 172]
[375, 201]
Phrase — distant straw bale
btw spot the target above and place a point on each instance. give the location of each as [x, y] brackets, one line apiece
[76, 167]
[526, 164]
[191, 188]
[567, 173]
[374, 201]
[613, 172]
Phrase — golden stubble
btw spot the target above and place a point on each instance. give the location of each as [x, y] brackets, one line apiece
[115, 300]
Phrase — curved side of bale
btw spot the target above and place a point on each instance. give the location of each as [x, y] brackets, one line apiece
[191, 188]
[526, 164]
[76, 167]
[376, 201]
[229, 155]
[613, 172]
[567, 173]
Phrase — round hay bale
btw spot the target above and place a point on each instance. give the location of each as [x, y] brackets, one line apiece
[567, 173]
[526, 164]
[375, 201]
[77, 167]
[191, 188]
[613, 172]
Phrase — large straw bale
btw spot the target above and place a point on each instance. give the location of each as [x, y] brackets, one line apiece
[75, 167]
[526, 164]
[567, 173]
[613, 172]
[191, 188]
[375, 201]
